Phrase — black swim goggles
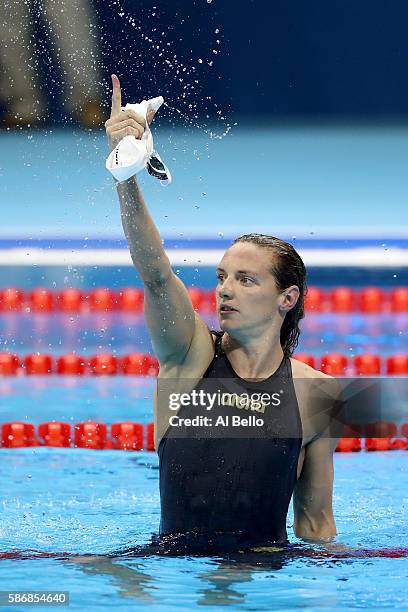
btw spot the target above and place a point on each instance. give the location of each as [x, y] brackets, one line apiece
[157, 168]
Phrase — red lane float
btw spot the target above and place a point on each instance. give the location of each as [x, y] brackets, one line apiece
[378, 444]
[399, 299]
[38, 364]
[203, 300]
[41, 300]
[127, 436]
[334, 364]
[150, 437]
[351, 440]
[315, 299]
[211, 300]
[71, 365]
[367, 365]
[9, 364]
[11, 299]
[90, 435]
[102, 300]
[397, 365]
[130, 300]
[18, 435]
[104, 364]
[55, 433]
[379, 435]
[342, 299]
[349, 445]
[70, 300]
[399, 444]
[371, 299]
[139, 364]
[196, 297]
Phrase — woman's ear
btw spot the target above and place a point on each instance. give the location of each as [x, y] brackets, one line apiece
[289, 298]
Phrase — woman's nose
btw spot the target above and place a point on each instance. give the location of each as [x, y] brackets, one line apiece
[225, 289]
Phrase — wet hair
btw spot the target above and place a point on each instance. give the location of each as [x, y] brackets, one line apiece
[288, 269]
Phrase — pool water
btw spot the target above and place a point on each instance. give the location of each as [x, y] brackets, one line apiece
[121, 333]
[92, 503]
[96, 502]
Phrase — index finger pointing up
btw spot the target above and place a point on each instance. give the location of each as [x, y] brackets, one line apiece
[116, 107]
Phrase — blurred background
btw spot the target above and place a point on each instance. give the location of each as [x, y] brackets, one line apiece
[259, 60]
[271, 106]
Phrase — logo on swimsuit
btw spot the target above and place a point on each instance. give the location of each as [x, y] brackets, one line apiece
[256, 402]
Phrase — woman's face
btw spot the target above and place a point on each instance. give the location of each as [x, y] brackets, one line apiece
[247, 296]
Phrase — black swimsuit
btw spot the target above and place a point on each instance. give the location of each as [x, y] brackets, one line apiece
[231, 491]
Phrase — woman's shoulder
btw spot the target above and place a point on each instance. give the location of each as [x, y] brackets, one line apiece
[303, 370]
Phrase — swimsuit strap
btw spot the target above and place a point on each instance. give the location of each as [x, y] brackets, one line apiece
[218, 339]
[285, 369]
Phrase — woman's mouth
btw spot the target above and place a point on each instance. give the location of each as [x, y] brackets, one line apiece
[224, 309]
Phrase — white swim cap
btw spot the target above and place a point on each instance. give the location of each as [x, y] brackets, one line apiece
[132, 155]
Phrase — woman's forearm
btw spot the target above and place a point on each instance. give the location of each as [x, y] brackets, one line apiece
[145, 244]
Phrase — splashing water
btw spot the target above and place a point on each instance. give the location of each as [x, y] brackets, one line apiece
[207, 131]
[180, 71]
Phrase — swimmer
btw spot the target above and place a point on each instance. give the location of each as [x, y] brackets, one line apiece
[228, 493]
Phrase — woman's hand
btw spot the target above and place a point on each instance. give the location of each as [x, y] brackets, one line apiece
[122, 122]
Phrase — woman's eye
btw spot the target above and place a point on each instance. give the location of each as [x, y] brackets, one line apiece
[246, 279]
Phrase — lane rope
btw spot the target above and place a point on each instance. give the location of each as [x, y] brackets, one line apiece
[143, 364]
[132, 436]
[369, 300]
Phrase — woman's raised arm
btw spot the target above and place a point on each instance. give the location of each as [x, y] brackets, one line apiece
[168, 309]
